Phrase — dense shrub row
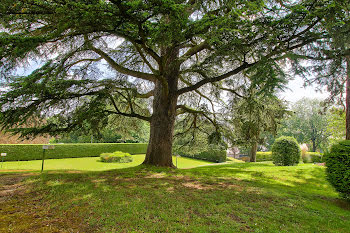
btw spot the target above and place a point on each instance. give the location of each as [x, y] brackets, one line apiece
[116, 157]
[213, 155]
[338, 167]
[20, 152]
[263, 156]
[311, 157]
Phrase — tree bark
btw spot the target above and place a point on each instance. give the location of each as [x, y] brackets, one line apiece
[253, 150]
[313, 145]
[347, 98]
[159, 150]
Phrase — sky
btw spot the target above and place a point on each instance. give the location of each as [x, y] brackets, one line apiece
[297, 91]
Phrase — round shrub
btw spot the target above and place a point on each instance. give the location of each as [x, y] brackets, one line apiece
[285, 151]
[338, 167]
[116, 157]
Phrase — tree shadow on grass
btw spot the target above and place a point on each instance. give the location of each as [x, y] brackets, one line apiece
[193, 192]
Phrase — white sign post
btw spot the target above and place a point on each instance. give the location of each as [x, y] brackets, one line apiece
[2, 158]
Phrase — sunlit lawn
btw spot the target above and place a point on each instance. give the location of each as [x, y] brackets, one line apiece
[90, 164]
[235, 197]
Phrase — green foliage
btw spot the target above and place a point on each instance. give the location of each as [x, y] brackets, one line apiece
[336, 125]
[254, 117]
[286, 151]
[213, 155]
[308, 124]
[316, 157]
[116, 157]
[225, 35]
[35, 151]
[263, 156]
[338, 167]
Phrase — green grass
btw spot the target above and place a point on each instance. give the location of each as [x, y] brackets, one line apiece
[235, 197]
[90, 164]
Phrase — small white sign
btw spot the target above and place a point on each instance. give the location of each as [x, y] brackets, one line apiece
[178, 156]
[3, 154]
[45, 147]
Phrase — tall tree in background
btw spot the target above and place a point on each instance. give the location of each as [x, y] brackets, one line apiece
[308, 124]
[252, 117]
[329, 62]
[336, 125]
[102, 57]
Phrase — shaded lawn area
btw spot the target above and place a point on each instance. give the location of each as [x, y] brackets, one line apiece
[225, 198]
[90, 164]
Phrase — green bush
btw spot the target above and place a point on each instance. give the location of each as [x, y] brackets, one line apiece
[116, 157]
[312, 157]
[213, 155]
[306, 158]
[338, 167]
[315, 157]
[286, 151]
[263, 156]
[21, 152]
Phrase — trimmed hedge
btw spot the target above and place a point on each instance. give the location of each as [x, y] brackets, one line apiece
[312, 157]
[286, 151]
[21, 152]
[116, 157]
[263, 156]
[315, 157]
[338, 167]
[213, 155]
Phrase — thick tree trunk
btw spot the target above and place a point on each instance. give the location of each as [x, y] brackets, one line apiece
[162, 128]
[253, 150]
[347, 99]
[159, 150]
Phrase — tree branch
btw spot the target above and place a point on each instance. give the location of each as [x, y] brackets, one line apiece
[194, 50]
[121, 69]
[132, 114]
[214, 79]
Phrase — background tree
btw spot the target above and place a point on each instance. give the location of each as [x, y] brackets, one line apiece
[254, 116]
[336, 125]
[99, 58]
[328, 63]
[308, 124]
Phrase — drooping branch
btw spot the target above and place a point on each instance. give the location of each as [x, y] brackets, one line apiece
[121, 69]
[194, 50]
[207, 80]
[186, 109]
[132, 114]
[232, 91]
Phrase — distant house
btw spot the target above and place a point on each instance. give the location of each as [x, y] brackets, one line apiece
[6, 138]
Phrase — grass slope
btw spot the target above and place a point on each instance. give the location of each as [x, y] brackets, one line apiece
[237, 197]
[90, 164]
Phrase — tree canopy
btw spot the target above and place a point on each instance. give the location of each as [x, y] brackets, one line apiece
[103, 57]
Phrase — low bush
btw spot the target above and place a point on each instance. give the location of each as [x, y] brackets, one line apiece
[338, 167]
[21, 152]
[263, 156]
[312, 157]
[213, 155]
[286, 151]
[316, 157]
[116, 157]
